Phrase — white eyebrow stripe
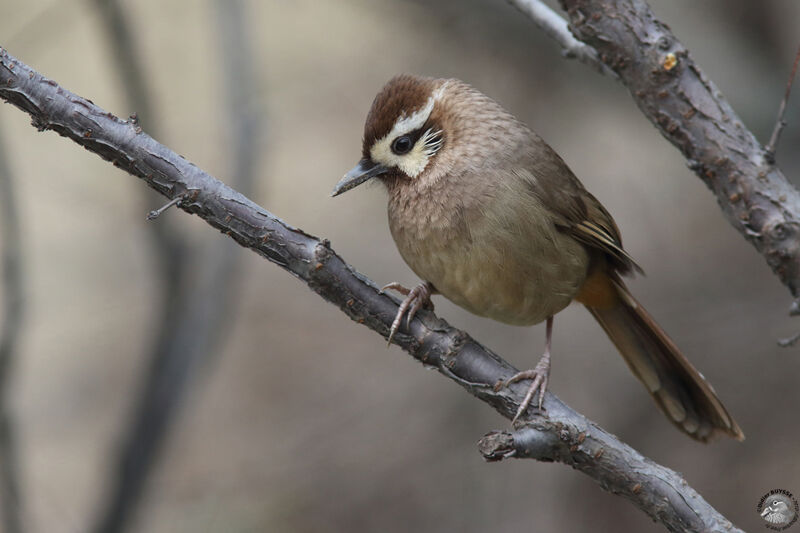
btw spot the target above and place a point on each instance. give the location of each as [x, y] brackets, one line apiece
[407, 124]
[415, 121]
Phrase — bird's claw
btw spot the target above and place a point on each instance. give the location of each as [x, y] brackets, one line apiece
[395, 286]
[540, 375]
[415, 299]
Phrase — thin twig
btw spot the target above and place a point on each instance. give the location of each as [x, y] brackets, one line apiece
[13, 308]
[789, 341]
[155, 213]
[429, 339]
[781, 123]
[555, 27]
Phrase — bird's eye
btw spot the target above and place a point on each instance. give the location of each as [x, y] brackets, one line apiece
[402, 145]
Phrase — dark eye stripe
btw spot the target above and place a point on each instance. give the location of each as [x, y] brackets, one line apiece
[412, 136]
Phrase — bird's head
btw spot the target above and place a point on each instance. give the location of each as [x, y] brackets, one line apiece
[778, 510]
[403, 133]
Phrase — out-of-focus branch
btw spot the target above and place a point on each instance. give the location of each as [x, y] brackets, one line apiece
[431, 340]
[126, 59]
[555, 27]
[138, 448]
[192, 324]
[781, 123]
[169, 249]
[13, 304]
[690, 111]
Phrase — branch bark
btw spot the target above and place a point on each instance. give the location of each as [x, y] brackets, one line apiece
[569, 437]
[597, 454]
[690, 111]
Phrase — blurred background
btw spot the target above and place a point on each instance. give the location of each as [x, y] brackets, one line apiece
[163, 348]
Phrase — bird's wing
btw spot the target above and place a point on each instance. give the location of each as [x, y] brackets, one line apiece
[599, 230]
[574, 209]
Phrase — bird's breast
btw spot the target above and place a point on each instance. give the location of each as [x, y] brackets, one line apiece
[492, 257]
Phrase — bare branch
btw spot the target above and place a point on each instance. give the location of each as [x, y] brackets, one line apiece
[430, 340]
[591, 451]
[690, 111]
[555, 27]
[781, 123]
[13, 308]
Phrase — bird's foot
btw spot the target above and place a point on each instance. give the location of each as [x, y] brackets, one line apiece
[540, 374]
[415, 299]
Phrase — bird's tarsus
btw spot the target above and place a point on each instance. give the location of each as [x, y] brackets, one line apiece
[539, 374]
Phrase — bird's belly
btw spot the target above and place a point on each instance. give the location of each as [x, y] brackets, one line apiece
[519, 285]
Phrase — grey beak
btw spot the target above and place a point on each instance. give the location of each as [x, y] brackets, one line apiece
[364, 170]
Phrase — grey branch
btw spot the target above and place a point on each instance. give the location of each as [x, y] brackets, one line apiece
[552, 24]
[599, 454]
[690, 111]
[429, 339]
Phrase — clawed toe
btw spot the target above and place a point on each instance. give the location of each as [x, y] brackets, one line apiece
[394, 286]
[415, 299]
[540, 375]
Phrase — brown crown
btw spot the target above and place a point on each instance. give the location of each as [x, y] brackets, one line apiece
[402, 95]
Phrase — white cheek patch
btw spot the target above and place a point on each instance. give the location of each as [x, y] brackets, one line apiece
[415, 161]
[411, 163]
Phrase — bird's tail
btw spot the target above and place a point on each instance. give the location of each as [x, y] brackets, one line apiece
[680, 391]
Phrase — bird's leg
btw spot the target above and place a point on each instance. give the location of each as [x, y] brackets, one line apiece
[414, 300]
[540, 374]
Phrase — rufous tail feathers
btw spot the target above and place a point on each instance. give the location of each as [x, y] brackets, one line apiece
[680, 391]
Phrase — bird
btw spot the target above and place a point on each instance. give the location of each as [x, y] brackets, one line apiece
[779, 511]
[489, 216]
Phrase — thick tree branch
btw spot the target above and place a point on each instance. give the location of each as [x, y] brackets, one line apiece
[571, 438]
[690, 111]
[692, 114]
